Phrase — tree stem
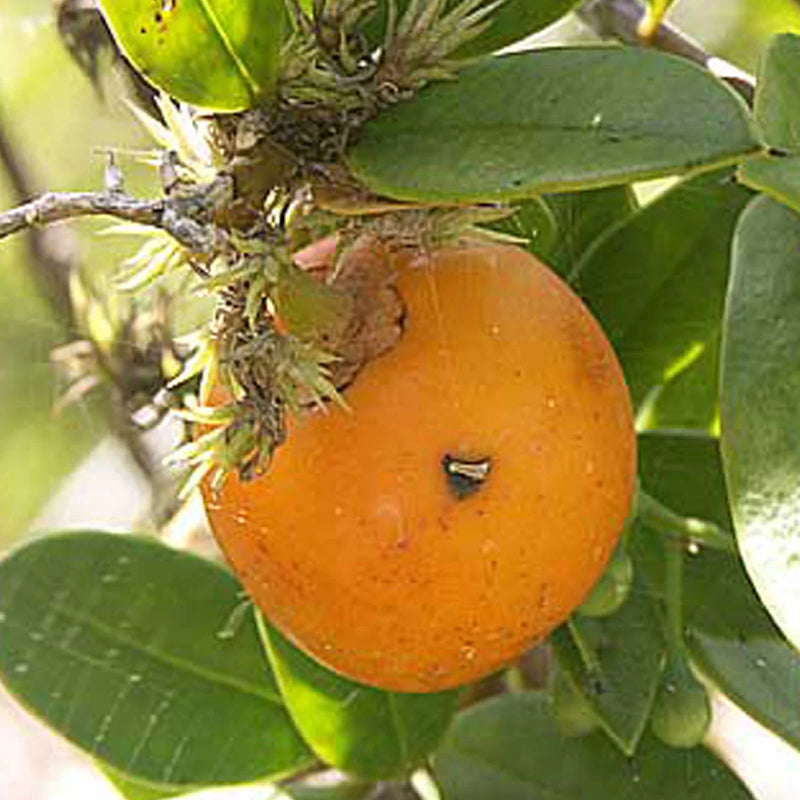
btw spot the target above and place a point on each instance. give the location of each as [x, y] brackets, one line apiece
[172, 215]
[673, 591]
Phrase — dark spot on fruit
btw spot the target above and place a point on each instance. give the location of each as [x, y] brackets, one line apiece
[464, 477]
[143, 30]
[158, 18]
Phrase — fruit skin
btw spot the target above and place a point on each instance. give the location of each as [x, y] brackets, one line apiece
[355, 544]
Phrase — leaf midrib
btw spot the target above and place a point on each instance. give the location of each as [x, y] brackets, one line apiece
[420, 130]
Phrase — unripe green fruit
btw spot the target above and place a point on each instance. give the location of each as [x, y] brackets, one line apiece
[613, 588]
[682, 710]
[569, 708]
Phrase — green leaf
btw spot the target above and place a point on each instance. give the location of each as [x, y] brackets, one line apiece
[762, 676]
[760, 413]
[315, 786]
[509, 748]
[621, 674]
[217, 54]
[137, 790]
[114, 642]
[777, 111]
[513, 21]
[682, 469]
[364, 731]
[777, 176]
[657, 284]
[551, 120]
[730, 636]
[582, 217]
[559, 228]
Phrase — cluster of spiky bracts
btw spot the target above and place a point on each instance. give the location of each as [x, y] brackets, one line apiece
[251, 189]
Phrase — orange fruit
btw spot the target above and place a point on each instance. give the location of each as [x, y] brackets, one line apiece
[469, 499]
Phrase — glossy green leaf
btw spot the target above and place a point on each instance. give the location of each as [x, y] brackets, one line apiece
[217, 54]
[777, 111]
[513, 21]
[509, 748]
[760, 413]
[690, 397]
[363, 731]
[132, 789]
[559, 228]
[657, 284]
[762, 676]
[315, 786]
[730, 636]
[616, 661]
[583, 217]
[682, 468]
[777, 176]
[115, 642]
[550, 120]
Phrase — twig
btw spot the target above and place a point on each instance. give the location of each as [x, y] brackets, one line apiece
[619, 19]
[176, 215]
[57, 206]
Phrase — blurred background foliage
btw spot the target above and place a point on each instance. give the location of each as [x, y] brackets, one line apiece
[60, 126]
